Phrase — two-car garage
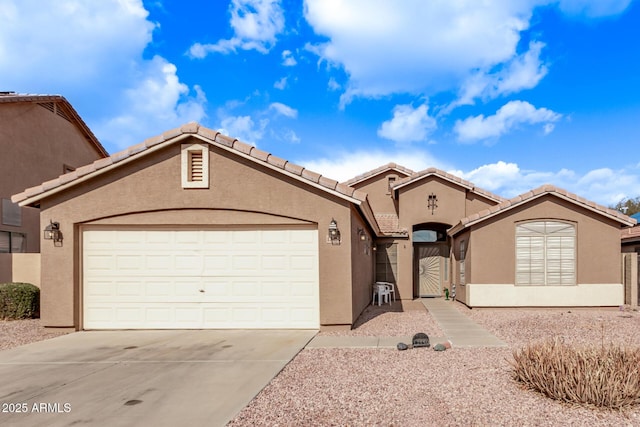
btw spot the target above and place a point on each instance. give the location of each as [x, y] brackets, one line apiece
[174, 278]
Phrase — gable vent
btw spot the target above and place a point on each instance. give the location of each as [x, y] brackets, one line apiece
[195, 165]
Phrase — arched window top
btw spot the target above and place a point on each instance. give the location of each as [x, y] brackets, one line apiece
[557, 228]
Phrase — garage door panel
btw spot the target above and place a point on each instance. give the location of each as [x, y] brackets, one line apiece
[200, 279]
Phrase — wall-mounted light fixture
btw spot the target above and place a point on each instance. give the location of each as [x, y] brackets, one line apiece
[52, 232]
[432, 202]
[362, 234]
[334, 232]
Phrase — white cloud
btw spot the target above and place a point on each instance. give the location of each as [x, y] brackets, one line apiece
[256, 25]
[284, 110]
[521, 72]
[417, 48]
[158, 102]
[281, 84]
[333, 85]
[408, 124]
[92, 53]
[593, 9]
[604, 186]
[243, 128]
[344, 165]
[508, 117]
[287, 59]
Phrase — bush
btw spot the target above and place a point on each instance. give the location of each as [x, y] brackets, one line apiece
[19, 301]
[607, 377]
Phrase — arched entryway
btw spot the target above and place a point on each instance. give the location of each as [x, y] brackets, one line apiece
[431, 249]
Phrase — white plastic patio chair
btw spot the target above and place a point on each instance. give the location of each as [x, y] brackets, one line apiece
[382, 291]
[392, 288]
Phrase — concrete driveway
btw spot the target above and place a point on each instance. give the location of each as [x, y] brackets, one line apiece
[133, 378]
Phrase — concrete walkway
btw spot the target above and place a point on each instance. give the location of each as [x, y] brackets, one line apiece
[458, 328]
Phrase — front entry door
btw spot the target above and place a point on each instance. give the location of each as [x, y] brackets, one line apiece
[430, 265]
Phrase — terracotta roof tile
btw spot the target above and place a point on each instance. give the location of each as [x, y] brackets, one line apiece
[449, 177]
[225, 140]
[191, 127]
[242, 147]
[543, 190]
[389, 224]
[259, 154]
[293, 168]
[210, 135]
[378, 170]
[276, 161]
[327, 182]
[631, 233]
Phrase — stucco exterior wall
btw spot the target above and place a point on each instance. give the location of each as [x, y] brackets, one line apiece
[36, 144]
[378, 194]
[148, 191]
[362, 262]
[597, 258]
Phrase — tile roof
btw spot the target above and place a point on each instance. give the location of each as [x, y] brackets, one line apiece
[378, 170]
[34, 194]
[630, 234]
[389, 224]
[67, 112]
[449, 177]
[534, 194]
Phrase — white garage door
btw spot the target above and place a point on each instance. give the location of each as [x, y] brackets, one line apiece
[167, 279]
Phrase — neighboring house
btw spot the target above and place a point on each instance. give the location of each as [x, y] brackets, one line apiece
[192, 229]
[630, 237]
[41, 137]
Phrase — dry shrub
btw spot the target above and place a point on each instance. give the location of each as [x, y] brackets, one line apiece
[603, 376]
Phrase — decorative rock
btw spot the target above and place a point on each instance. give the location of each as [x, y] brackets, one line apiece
[439, 347]
[447, 344]
[420, 340]
[402, 346]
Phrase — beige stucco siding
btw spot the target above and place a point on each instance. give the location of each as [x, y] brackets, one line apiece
[36, 144]
[362, 262]
[148, 191]
[377, 189]
[490, 265]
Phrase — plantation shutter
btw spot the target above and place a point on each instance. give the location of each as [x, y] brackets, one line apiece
[545, 253]
[463, 254]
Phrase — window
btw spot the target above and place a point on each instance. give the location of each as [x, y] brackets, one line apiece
[463, 254]
[545, 253]
[11, 213]
[386, 262]
[12, 242]
[195, 166]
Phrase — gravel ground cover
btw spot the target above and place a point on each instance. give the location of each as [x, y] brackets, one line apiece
[14, 333]
[421, 387]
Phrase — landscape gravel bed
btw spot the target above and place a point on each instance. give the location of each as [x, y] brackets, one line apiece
[421, 387]
[14, 333]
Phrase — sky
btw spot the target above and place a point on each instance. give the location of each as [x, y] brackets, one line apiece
[508, 94]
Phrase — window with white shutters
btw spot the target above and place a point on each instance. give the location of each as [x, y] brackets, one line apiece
[545, 253]
[463, 254]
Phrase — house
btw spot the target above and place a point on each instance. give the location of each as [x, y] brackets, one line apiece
[42, 137]
[193, 229]
[630, 237]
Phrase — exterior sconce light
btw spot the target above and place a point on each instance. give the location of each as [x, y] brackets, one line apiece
[52, 232]
[432, 202]
[334, 232]
[362, 234]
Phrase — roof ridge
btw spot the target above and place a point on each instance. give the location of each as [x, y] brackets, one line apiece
[378, 170]
[538, 192]
[194, 128]
[450, 177]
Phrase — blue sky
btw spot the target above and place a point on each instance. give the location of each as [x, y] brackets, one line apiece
[507, 94]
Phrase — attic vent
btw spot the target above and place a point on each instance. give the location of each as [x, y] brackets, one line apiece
[48, 105]
[195, 166]
[55, 109]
